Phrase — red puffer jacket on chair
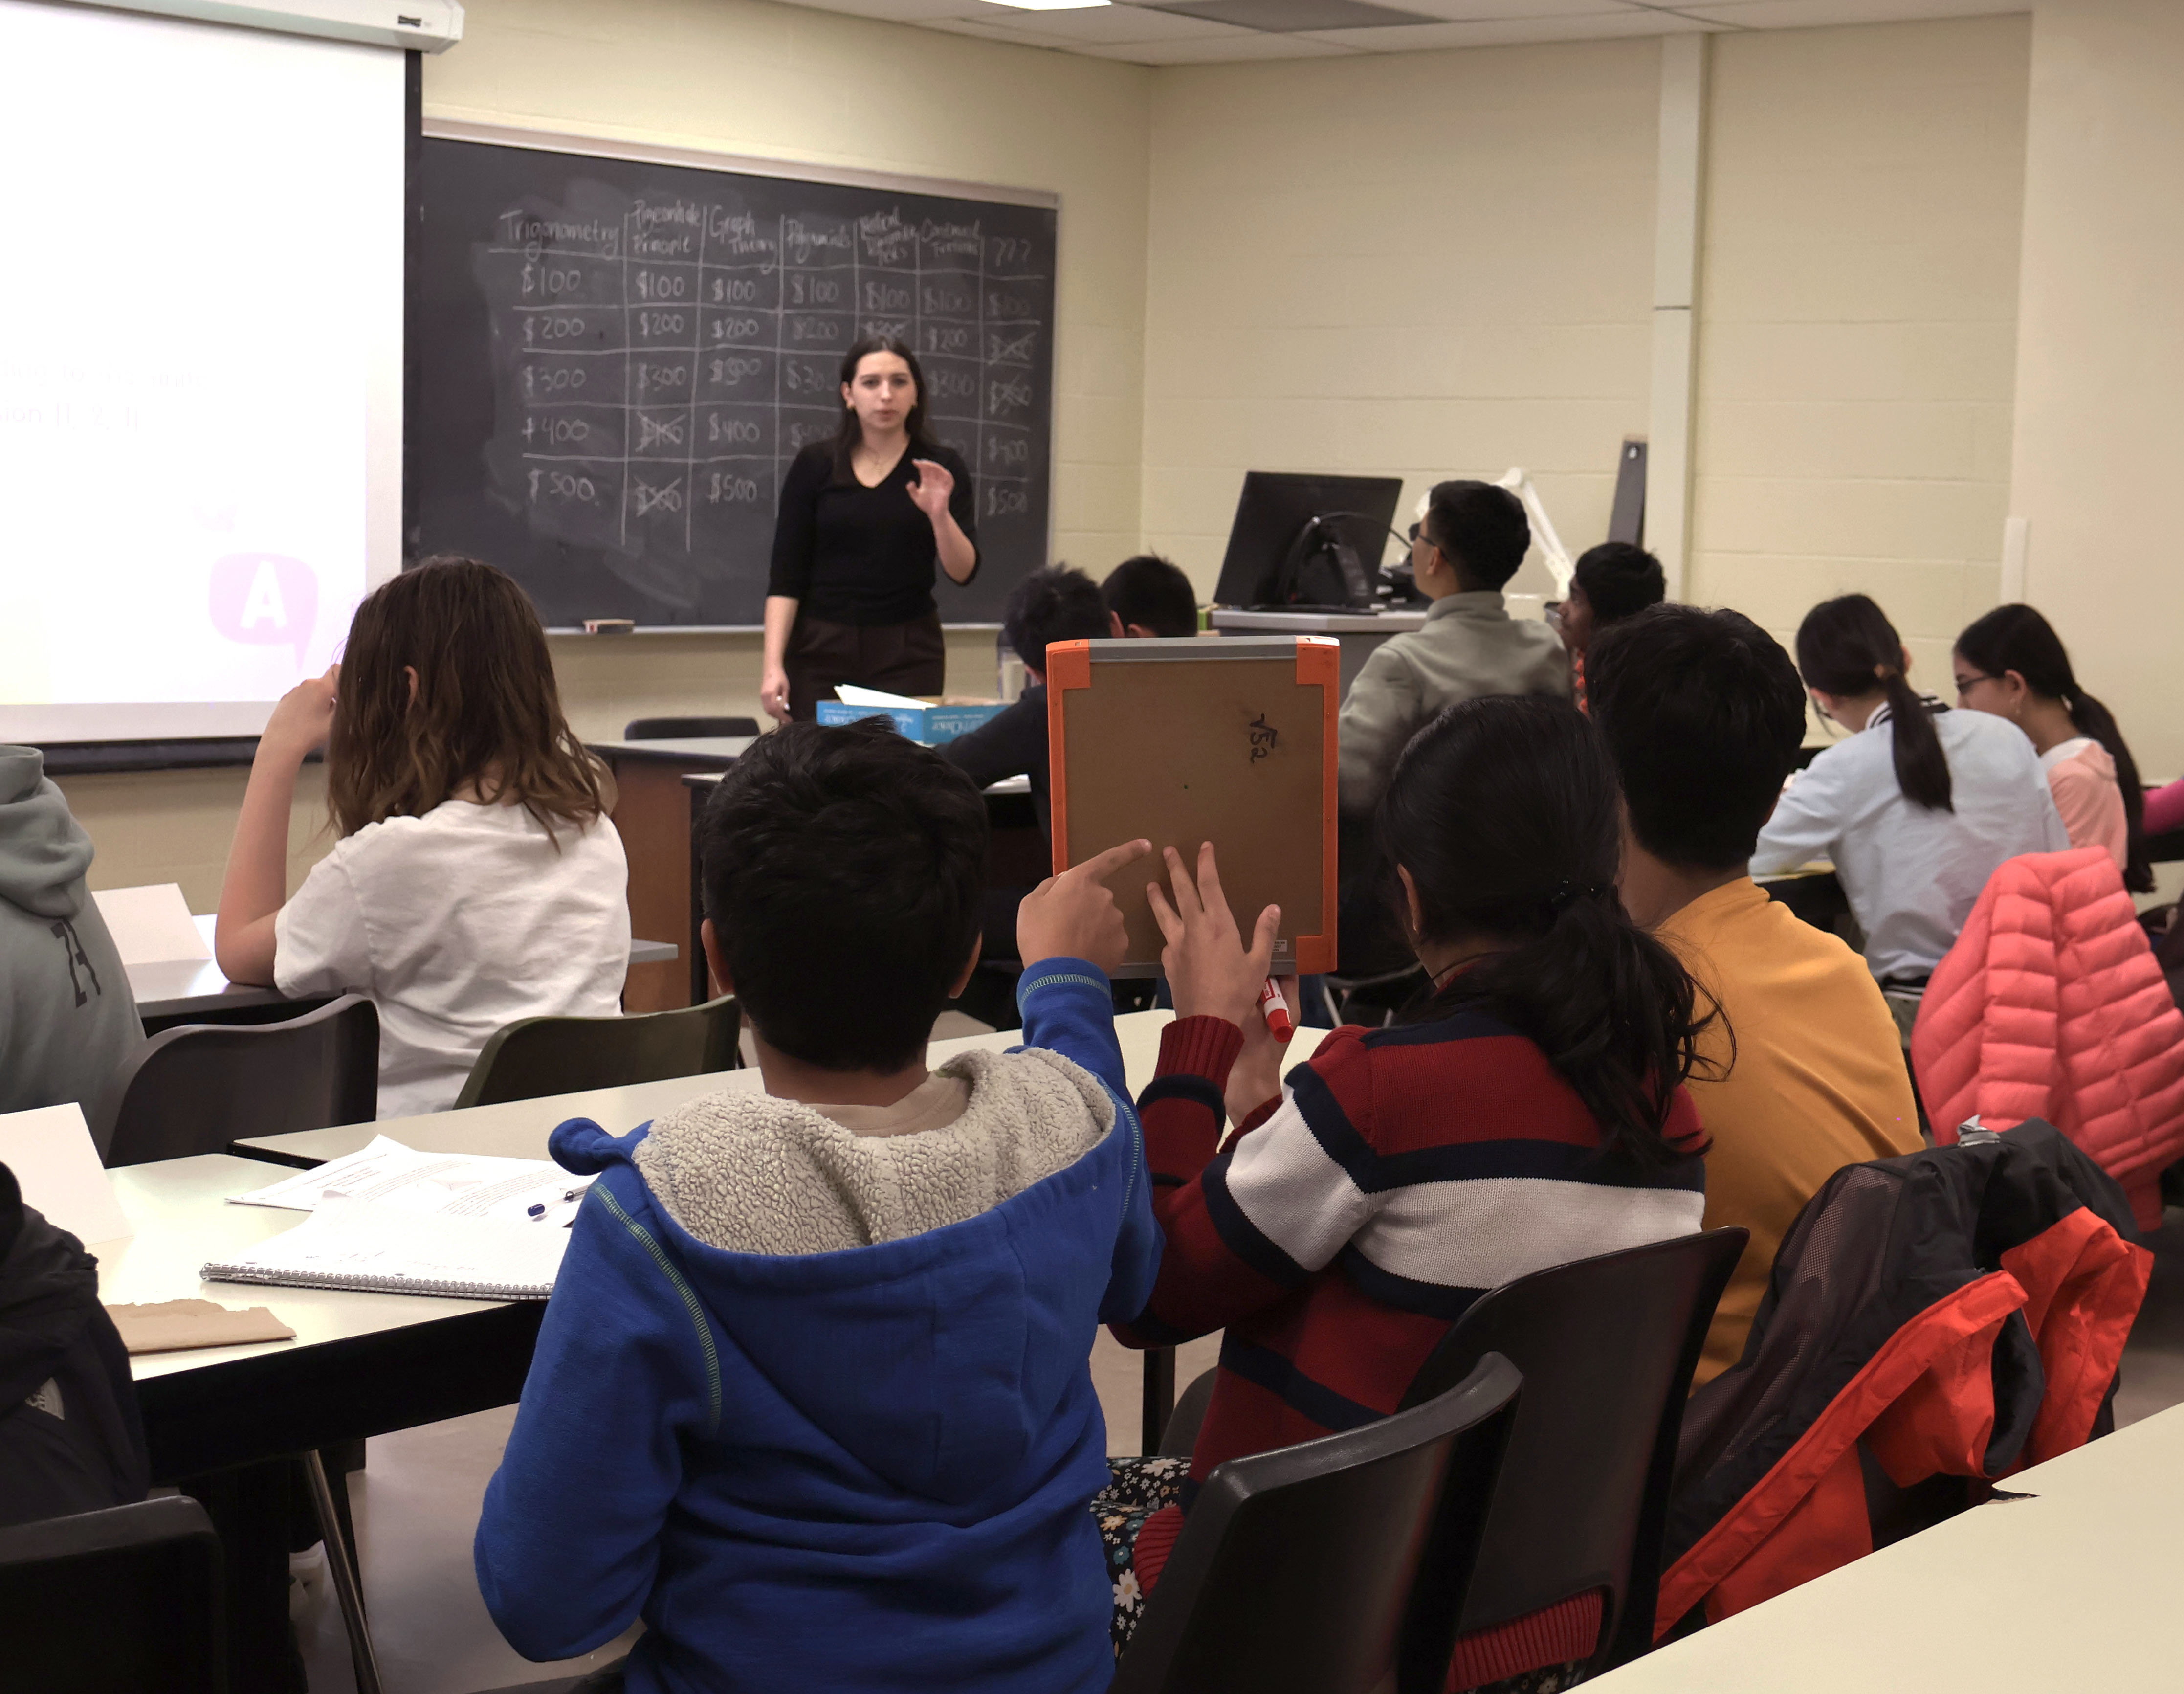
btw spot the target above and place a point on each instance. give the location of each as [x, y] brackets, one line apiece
[2051, 1006]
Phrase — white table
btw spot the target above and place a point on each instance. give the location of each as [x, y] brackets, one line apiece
[519, 1129]
[183, 1220]
[363, 1364]
[2069, 1591]
[178, 988]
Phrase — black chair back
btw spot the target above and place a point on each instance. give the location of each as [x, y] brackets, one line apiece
[1330, 1567]
[1606, 1347]
[197, 1087]
[535, 1057]
[126, 1601]
[688, 728]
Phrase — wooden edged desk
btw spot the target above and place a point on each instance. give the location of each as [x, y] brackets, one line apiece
[653, 818]
[1017, 857]
[361, 1364]
[519, 1130]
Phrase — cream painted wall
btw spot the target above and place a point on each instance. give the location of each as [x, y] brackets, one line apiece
[2101, 354]
[1858, 333]
[1436, 264]
[174, 826]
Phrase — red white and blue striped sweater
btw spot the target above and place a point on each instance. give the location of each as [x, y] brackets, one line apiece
[1402, 1174]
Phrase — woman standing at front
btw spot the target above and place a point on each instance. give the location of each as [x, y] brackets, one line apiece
[864, 519]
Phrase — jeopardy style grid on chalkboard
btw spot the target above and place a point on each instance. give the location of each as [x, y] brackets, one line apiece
[614, 361]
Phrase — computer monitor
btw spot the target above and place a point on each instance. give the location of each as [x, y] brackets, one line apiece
[1271, 515]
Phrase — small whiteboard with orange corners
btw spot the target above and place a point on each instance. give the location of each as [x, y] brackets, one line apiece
[1230, 741]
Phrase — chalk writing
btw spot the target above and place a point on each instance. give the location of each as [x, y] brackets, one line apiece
[663, 342]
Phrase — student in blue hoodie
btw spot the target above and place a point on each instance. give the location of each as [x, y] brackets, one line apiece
[812, 1397]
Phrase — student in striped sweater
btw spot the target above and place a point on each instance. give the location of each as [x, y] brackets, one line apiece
[1527, 1111]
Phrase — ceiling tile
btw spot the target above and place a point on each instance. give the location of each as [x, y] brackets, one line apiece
[1517, 32]
[1098, 26]
[898, 11]
[1247, 44]
[1292, 16]
[1796, 14]
[1509, 11]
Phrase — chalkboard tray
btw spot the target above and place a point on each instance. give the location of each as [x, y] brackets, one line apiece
[615, 353]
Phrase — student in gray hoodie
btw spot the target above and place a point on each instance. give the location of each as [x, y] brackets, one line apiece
[67, 1018]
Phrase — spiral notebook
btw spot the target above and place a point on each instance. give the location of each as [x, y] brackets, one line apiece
[370, 1248]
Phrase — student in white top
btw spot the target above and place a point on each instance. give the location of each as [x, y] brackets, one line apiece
[1916, 809]
[478, 879]
[2011, 663]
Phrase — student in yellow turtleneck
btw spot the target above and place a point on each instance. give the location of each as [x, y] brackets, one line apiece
[1703, 713]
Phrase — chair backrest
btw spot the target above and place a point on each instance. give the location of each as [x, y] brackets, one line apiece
[197, 1087]
[1333, 1566]
[1606, 1347]
[688, 728]
[126, 1601]
[536, 1056]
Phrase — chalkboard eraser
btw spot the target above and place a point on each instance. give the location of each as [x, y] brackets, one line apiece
[609, 626]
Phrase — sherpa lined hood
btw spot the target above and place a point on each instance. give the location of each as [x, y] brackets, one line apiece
[43, 851]
[818, 1407]
[934, 1255]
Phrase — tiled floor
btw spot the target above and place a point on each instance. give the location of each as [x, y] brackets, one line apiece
[417, 1503]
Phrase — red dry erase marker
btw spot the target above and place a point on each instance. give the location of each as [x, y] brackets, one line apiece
[1276, 1011]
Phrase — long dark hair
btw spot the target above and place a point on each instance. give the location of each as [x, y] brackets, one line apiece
[1504, 811]
[849, 432]
[1847, 645]
[486, 709]
[2018, 638]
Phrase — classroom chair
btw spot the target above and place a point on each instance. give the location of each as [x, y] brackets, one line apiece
[1335, 1564]
[126, 1601]
[1573, 1544]
[688, 728]
[534, 1056]
[196, 1088]
[1607, 1346]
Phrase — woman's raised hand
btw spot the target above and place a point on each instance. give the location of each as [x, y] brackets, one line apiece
[1211, 972]
[932, 490]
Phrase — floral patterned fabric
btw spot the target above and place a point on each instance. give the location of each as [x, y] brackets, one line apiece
[1136, 1488]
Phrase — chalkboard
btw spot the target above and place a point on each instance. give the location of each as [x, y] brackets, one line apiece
[613, 361]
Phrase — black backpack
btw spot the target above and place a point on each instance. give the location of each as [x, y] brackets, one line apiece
[71, 1439]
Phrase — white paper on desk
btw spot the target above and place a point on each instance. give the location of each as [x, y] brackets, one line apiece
[151, 926]
[50, 1150]
[850, 695]
[381, 1249]
[453, 1184]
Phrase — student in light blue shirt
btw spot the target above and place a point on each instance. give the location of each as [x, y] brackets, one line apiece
[1916, 809]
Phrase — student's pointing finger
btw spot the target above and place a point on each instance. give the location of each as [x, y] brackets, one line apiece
[1264, 937]
[1100, 866]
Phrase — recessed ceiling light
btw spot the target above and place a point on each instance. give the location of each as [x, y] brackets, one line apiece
[1049, 5]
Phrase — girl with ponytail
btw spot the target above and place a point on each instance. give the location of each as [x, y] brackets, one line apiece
[1916, 808]
[2011, 663]
[1527, 1112]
